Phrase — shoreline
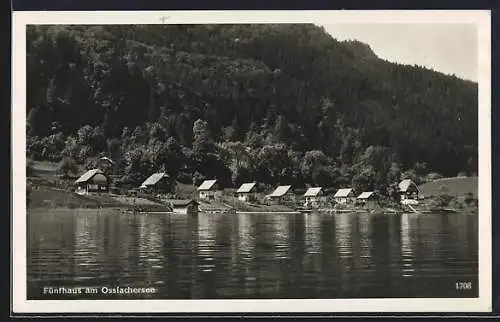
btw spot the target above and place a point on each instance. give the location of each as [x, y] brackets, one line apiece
[267, 212]
[158, 210]
[45, 198]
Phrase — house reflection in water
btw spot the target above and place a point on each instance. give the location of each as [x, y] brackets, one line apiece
[87, 251]
[150, 248]
[246, 238]
[312, 259]
[407, 255]
[206, 242]
[246, 244]
[281, 235]
[365, 231]
[312, 236]
[343, 224]
[343, 230]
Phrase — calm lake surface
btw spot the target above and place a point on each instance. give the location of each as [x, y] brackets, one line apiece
[253, 255]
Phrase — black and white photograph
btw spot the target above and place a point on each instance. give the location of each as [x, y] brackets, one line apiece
[243, 157]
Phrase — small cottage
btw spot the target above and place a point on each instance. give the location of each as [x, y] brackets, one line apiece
[312, 196]
[105, 164]
[208, 189]
[94, 180]
[183, 206]
[408, 191]
[367, 199]
[245, 192]
[344, 196]
[158, 183]
[281, 194]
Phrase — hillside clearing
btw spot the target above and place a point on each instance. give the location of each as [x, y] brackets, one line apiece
[455, 186]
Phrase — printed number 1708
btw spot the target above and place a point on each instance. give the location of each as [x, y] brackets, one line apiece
[463, 286]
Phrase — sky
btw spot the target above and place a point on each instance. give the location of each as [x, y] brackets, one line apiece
[446, 48]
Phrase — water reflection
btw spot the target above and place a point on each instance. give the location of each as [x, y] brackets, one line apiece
[246, 237]
[150, 249]
[343, 223]
[281, 232]
[406, 246]
[206, 242]
[365, 221]
[313, 233]
[255, 256]
[86, 253]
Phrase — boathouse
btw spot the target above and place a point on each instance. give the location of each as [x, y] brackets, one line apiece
[313, 196]
[367, 199]
[282, 194]
[94, 180]
[158, 183]
[408, 191]
[344, 196]
[207, 190]
[183, 206]
[245, 192]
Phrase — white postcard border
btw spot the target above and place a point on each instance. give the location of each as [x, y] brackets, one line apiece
[481, 18]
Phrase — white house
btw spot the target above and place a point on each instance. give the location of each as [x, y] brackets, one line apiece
[94, 180]
[367, 198]
[408, 191]
[312, 196]
[344, 196]
[245, 193]
[280, 194]
[158, 182]
[207, 190]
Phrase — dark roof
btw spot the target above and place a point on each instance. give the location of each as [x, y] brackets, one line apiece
[181, 202]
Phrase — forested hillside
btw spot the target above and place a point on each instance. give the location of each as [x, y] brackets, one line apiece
[271, 103]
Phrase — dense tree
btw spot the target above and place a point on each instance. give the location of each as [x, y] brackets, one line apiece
[38, 120]
[67, 166]
[312, 161]
[325, 176]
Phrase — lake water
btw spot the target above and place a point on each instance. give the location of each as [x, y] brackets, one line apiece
[252, 255]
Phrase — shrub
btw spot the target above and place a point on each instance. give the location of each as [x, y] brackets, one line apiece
[443, 200]
[184, 178]
[469, 199]
[29, 167]
[199, 178]
[66, 166]
[433, 176]
[28, 194]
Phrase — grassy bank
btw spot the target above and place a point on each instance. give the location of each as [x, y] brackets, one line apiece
[455, 186]
[47, 190]
[241, 206]
[49, 198]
